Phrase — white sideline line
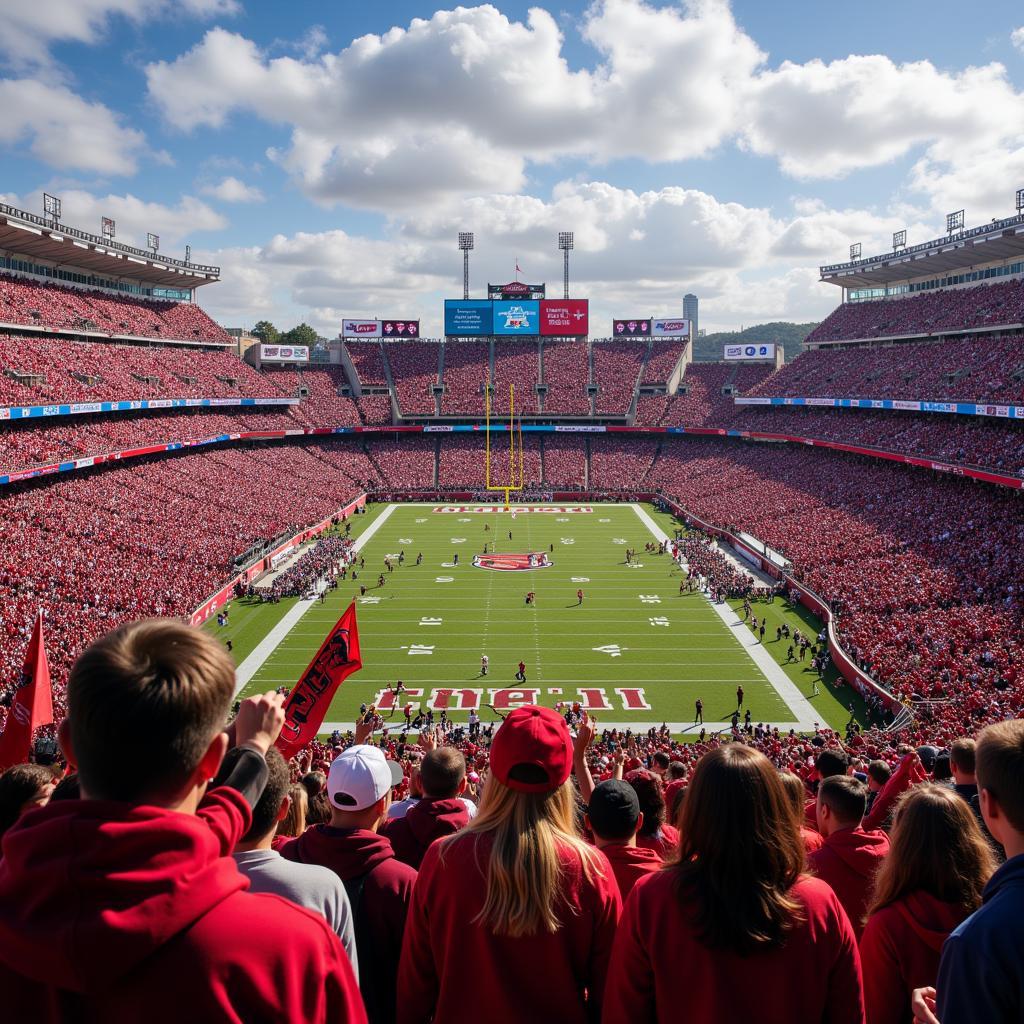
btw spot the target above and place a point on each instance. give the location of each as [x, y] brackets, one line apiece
[396, 723]
[785, 686]
[266, 647]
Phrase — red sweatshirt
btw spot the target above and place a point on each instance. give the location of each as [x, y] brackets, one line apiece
[111, 912]
[630, 864]
[848, 860]
[900, 951]
[425, 821]
[447, 956]
[379, 904]
[661, 972]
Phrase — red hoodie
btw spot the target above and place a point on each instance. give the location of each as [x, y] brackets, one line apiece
[900, 951]
[661, 972]
[425, 821]
[630, 864]
[379, 904]
[448, 955]
[111, 912]
[848, 860]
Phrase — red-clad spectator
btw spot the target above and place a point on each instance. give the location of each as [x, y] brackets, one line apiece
[516, 902]
[614, 816]
[655, 833]
[932, 880]
[379, 886]
[152, 916]
[441, 811]
[849, 857]
[796, 791]
[735, 927]
[23, 787]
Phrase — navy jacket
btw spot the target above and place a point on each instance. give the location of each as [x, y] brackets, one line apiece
[981, 974]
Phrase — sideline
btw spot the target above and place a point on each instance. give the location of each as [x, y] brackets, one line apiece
[770, 668]
[263, 650]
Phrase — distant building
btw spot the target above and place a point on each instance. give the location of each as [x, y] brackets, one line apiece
[243, 339]
[690, 311]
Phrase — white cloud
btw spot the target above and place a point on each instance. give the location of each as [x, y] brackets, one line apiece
[233, 190]
[825, 120]
[64, 130]
[31, 26]
[458, 103]
[1017, 38]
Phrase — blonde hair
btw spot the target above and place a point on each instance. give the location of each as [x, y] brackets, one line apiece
[524, 866]
[294, 822]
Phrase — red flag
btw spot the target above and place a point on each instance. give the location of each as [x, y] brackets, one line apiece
[31, 705]
[307, 705]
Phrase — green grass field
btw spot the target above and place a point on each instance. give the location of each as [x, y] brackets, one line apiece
[636, 651]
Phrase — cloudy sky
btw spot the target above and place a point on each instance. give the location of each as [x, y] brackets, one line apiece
[325, 155]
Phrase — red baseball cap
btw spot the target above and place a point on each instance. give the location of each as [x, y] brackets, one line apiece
[535, 737]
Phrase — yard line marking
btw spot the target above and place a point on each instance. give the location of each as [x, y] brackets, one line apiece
[273, 639]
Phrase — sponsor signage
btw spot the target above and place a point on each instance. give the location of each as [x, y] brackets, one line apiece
[400, 328]
[360, 328]
[513, 563]
[515, 290]
[517, 316]
[468, 317]
[564, 317]
[284, 353]
[754, 351]
[632, 327]
[670, 328]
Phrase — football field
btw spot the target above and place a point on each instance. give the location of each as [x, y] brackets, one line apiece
[636, 651]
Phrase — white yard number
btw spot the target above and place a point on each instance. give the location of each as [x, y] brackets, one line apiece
[568, 540]
[604, 520]
[464, 520]
[660, 620]
[421, 520]
[562, 519]
[613, 650]
[458, 540]
[581, 579]
[618, 540]
[369, 600]
[427, 621]
[421, 649]
[405, 540]
[650, 599]
[444, 579]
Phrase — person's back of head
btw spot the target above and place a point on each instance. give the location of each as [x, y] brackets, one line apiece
[740, 852]
[675, 771]
[842, 803]
[937, 847]
[650, 791]
[527, 812]
[831, 761]
[23, 787]
[294, 822]
[796, 793]
[660, 762]
[443, 773]
[267, 812]
[962, 756]
[146, 703]
[879, 773]
[999, 765]
[614, 811]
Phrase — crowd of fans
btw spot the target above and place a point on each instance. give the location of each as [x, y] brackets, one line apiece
[466, 374]
[566, 376]
[414, 370]
[570, 871]
[59, 307]
[518, 363]
[319, 565]
[43, 370]
[933, 312]
[616, 373]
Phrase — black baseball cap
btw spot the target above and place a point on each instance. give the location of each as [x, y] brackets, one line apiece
[614, 809]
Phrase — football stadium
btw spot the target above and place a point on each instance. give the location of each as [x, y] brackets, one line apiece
[505, 643]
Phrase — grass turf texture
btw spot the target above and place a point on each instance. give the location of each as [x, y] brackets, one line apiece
[613, 641]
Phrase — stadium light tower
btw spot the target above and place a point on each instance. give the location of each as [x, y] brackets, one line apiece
[1020, 200]
[899, 240]
[152, 242]
[955, 223]
[565, 244]
[51, 207]
[855, 251]
[465, 244]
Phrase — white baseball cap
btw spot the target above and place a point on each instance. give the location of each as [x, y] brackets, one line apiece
[360, 776]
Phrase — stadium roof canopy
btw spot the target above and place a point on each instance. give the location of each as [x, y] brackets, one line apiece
[977, 247]
[35, 237]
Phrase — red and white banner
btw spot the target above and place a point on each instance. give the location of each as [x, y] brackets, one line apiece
[564, 317]
[360, 329]
[31, 704]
